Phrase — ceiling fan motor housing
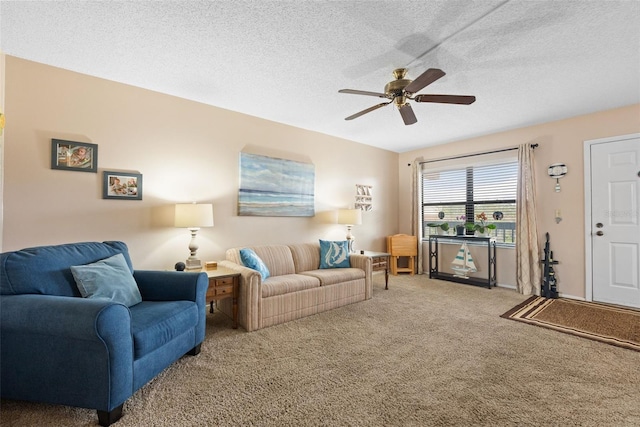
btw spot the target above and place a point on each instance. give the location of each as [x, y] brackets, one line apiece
[395, 88]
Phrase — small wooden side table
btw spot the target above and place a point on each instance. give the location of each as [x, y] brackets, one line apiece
[223, 283]
[379, 261]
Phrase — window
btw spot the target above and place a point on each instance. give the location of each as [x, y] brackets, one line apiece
[458, 194]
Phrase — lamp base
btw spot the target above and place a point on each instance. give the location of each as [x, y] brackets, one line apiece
[350, 240]
[193, 264]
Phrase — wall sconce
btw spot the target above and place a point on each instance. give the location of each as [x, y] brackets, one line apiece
[557, 171]
[193, 216]
[350, 217]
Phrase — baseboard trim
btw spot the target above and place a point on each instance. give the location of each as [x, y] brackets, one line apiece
[561, 295]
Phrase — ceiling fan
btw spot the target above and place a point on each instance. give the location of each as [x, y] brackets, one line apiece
[400, 90]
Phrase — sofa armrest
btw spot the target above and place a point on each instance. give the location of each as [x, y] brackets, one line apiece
[82, 346]
[364, 262]
[250, 297]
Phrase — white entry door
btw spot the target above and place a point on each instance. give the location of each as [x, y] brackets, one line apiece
[615, 221]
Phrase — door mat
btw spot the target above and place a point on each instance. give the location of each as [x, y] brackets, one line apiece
[612, 325]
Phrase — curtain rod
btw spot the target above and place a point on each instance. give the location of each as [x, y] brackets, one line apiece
[473, 155]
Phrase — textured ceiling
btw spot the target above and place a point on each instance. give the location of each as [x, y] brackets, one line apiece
[526, 62]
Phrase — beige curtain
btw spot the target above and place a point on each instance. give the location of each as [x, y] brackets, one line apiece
[527, 251]
[416, 202]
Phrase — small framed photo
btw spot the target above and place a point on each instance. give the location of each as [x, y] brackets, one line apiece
[74, 156]
[122, 185]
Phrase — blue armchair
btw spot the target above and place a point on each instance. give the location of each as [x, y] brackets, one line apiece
[58, 347]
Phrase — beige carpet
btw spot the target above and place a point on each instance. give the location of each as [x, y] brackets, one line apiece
[423, 353]
[604, 323]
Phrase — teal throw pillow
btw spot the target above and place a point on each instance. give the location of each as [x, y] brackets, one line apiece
[252, 260]
[334, 254]
[108, 279]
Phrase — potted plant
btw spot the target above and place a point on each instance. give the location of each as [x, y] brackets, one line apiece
[460, 227]
[443, 228]
[481, 227]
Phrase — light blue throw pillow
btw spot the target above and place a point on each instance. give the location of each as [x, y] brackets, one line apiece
[250, 259]
[108, 279]
[334, 254]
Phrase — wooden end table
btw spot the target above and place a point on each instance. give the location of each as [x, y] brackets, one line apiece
[223, 283]
[379, 261]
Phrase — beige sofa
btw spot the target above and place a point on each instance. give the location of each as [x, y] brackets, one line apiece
[297, 287]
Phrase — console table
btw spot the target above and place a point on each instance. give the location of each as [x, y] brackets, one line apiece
[434, 259]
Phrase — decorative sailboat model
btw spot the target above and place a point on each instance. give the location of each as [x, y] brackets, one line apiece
[463, 263]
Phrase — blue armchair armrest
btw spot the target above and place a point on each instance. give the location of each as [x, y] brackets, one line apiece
[171, 285]
[83, 346]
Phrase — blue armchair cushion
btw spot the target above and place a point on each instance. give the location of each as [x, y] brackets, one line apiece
[250, 259]
[108, 279]
[334, 254]
[155, 323]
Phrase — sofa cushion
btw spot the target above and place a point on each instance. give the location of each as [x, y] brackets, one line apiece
[280, 285]
[108, 279]
[250, 259]
[306, 256]
[45, 269]
[155, 323]
[334, 254]
[331, 276]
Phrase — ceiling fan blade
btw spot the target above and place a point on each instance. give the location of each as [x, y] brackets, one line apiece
[364, 92]
[424, 79]
[368, 110]
[446, 99]
[407, 114]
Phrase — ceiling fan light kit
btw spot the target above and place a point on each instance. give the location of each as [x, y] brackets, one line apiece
[400, 90]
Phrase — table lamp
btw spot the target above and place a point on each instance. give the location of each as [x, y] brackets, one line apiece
[350, 217]
[193, 216]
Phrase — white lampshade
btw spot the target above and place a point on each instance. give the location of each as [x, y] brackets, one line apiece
[350, 216]
[192, 215]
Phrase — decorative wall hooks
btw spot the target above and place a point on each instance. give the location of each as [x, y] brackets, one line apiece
[557, 171]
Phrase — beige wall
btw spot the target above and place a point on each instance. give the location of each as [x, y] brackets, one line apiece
[559, 141]
[186, 152]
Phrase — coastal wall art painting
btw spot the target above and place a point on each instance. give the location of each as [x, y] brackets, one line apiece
[271, 186]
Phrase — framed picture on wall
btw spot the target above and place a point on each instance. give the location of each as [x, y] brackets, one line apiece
[74, 156]
[271, 186]
[122, 185]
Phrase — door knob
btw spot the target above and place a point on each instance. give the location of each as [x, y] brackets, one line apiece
[599, 225]
[599, 233]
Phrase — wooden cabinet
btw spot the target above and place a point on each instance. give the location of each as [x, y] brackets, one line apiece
[379, 262]
[223, 283]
